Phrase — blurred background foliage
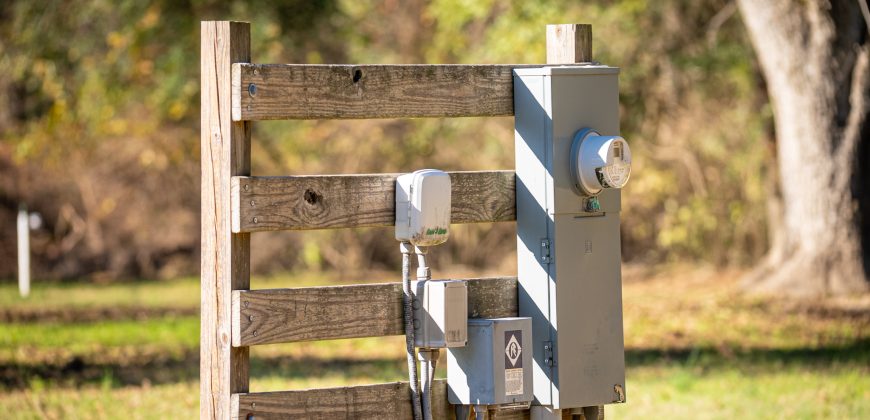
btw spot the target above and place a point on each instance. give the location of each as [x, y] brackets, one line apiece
[99, 121]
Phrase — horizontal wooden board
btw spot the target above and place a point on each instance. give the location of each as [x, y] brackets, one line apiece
[342, 201]
[268, 316]
[305, 91]
[390, 401]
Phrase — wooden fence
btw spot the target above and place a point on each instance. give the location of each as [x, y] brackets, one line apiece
[234, 204]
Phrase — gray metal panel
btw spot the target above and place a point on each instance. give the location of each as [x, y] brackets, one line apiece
[469, 369]
[476, 372]
[582, 289]
[531, 124]
[589, 347]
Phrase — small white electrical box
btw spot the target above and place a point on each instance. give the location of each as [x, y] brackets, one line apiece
[440, 313]
[423, 207]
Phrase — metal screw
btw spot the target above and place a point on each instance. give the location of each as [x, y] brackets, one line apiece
[256, 221]
[247, 303]
[247, 187]
[252, 203]
[255, 333]
[252, 90]
[250, 318]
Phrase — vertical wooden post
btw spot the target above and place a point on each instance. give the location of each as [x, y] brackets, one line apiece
[569, 43]
[226, 151]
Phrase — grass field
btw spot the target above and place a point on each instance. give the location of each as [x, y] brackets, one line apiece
[696, 349]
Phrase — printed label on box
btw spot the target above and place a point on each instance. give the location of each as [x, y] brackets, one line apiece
[513, 381]
[513, 362]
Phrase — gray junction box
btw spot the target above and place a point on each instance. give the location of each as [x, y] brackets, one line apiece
[494, 368]
[568, 257]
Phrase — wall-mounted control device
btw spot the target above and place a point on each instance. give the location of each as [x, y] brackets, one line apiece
[570, 166]
[495, 368]
[423, 207]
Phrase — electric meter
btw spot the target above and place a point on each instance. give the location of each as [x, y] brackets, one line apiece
[599, 162]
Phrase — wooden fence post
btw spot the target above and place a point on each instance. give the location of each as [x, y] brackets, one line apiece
[569, 43]
[226, 150]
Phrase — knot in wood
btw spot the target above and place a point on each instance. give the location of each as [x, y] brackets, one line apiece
[312, 197]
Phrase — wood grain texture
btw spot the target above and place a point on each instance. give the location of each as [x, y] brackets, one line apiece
[342, 201]
[305, 91]
[269, 316]
[389, 401]
[225, 256]
[380, 401]
[569, 43]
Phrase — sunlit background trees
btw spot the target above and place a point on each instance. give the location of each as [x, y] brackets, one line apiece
[99, 126]
[99, 133]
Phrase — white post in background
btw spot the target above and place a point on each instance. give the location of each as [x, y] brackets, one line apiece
[23, 252]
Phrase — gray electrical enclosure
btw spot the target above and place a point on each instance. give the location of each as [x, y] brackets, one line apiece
[568, 250]
[494, 368]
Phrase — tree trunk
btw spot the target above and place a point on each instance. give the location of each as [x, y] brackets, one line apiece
[815, 56]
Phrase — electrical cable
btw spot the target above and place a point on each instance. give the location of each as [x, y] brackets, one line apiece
[426, 366]
[425, 373]
[408, 301]
[428, 359]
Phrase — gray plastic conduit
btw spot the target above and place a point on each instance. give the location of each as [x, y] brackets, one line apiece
[429, 357]
[424, 368]
[408, 301]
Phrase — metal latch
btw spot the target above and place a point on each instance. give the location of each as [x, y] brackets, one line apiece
[548, 354]
[545, 251]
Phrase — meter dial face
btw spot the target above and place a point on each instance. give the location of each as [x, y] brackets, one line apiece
[615, 175]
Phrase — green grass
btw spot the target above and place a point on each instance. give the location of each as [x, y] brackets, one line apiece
[739, 391]
[22, 342]
[181, 293]
[696, 349]
[172, 401]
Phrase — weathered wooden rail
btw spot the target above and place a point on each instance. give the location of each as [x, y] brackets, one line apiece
[366, 310]
[234, 204]
[342, 201]
[304, 91]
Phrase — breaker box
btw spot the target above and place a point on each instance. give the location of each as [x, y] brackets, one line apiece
[568, 242]
[495, 367]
